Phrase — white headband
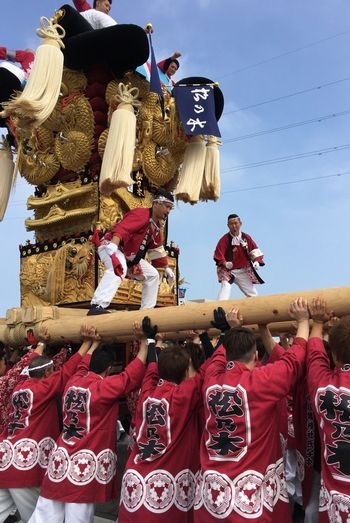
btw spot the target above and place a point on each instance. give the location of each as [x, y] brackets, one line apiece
[163, 199]
[26, 371]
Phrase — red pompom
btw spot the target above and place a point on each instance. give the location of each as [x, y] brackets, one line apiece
[3, 53]
[25, 58]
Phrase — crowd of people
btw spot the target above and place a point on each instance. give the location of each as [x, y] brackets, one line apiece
[240, 428]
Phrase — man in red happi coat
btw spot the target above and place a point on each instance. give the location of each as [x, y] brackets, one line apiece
[329, 390]
[123, 250]
[242, 472]
[82, 467]
[237, 259]
[29, 438]
[160, 475]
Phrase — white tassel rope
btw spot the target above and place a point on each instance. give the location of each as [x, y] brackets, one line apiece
[39, 97]
[8, 175]
[118, 156]
[210, 189]
[191, 173]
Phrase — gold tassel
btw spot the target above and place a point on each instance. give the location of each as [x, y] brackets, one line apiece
[118, 156]
[191, 173]
[210, 189]
[39, 97]
[8, 175]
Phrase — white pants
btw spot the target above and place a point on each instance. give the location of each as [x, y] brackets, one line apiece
[23, 498]
[293, 483]
[48, 510]
[242, 280]
[110, 282]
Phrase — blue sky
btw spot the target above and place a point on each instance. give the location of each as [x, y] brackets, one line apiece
[281, 65]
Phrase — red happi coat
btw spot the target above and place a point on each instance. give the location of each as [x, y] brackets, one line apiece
[282, 412]
[136, 230]
[330, 399]
[237, 254]
[81, 5]
[13, 376]
[82, 468]
[242, 472]
[33, 427]
[160, 475]
[7, 385]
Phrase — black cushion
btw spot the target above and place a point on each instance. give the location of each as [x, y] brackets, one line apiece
[72, 22]
[9, 84]
[120, 47]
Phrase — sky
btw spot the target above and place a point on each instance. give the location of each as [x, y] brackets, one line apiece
[283, 68]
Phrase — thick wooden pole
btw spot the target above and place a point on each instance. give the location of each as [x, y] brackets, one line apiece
[64, 324]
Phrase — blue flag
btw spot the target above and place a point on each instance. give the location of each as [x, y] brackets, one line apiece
[155, 86]
[196, 107]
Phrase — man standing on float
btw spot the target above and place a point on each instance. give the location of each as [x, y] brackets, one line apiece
[237, 258]
[123, 249]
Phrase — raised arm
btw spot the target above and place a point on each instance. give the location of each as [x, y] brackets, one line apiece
[299, 311]
[43, 339]
[234, 318]
[146, 334]
[90, 339]
[224, 321]
[266, 338]
[81, 5]
[320, 315]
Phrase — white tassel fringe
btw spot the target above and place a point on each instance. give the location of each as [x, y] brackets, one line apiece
[118, 156]
[8, 176]
[211, 185]
[191, 173]
[39, 97]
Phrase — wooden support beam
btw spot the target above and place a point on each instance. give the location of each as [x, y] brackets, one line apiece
[64, 324]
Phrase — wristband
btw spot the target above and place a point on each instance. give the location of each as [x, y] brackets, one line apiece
[150, 341]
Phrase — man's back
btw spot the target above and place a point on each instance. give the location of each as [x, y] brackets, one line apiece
[241, 454]
[33, 427]
[86, 448]
[164, 460]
